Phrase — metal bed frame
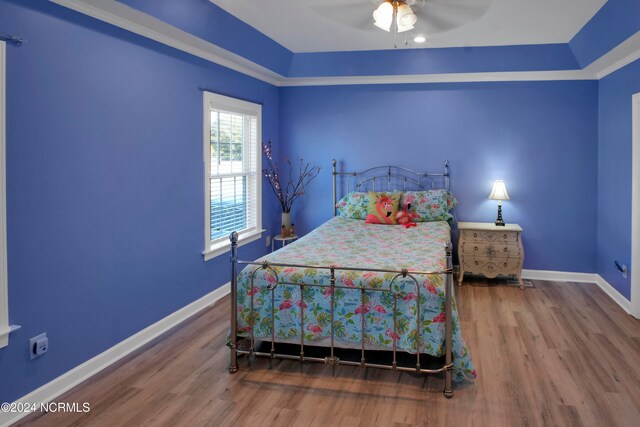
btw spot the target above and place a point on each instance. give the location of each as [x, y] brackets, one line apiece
[389, 175]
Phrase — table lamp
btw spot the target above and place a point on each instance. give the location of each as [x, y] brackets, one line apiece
[499, 193]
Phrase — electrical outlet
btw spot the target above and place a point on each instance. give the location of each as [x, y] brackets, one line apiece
[268, 240]
[621, 268]
[38, 345]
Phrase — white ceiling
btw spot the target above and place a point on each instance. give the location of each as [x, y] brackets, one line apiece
[345, 25]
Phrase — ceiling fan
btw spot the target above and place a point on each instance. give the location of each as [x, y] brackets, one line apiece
[425, 17]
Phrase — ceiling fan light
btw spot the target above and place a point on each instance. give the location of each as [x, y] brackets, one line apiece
[383, 16]
[408, 20]
[383, 25]
[402, 28]
[404, 9]
[383, 12]
[405, 18]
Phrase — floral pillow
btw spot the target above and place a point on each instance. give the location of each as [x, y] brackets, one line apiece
[382, 208]
[430, 205]
[354, 205]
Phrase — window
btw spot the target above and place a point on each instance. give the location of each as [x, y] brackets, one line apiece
[4, 300]
[232, 148]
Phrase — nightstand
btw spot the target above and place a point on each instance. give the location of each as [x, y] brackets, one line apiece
[490, 250]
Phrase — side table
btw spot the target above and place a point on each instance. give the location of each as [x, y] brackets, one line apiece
[490, 250]
[284, 240]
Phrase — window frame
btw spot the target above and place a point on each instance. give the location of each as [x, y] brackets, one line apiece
[214, 248]
[5, 329]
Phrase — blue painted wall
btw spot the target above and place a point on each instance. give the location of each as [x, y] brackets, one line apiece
[541, 137]
[434, 61]
[614, 173]
[105, 186]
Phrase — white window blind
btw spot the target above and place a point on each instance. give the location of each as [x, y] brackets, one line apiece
[232, 169]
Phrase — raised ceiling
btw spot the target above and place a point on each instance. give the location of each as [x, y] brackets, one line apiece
[347, 25]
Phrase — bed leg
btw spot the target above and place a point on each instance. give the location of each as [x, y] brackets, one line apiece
[233, 366]
[335, 175]
[448, 387]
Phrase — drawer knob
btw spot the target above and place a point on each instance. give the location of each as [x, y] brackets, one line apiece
[505, 264]
[477, 263]
[475, 248]
[505, 249]
[504, 236]
[475, 234]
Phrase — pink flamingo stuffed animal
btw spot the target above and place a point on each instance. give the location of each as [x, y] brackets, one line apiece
[406, 217]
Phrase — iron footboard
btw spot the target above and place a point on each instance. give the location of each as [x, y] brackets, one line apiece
[332, 359]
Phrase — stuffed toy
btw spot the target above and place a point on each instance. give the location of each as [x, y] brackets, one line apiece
[406, 217]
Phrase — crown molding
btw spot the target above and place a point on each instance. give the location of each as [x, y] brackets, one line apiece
[130, 19]
[510, 76]
[623, 54]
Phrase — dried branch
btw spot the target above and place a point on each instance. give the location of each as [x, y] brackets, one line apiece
[297, 183]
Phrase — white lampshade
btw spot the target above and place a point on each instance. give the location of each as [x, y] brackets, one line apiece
[499, 191]
[405, 18]
[383, 16]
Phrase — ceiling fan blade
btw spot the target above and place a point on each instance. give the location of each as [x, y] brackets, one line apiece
[354, 14]
[340, 3]
[467, 9]
[473, 4]
[435, 25]
[444, 15]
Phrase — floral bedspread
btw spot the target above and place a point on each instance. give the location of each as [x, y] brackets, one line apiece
[352, 243]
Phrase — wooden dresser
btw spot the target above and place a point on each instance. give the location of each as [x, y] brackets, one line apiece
[487, 249]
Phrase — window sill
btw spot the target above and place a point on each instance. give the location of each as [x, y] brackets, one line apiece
[4, 335]
[224, 247]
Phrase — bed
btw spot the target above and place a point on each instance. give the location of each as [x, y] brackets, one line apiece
[349, 284]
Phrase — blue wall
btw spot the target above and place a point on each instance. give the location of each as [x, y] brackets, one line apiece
[541, 137]
[614, 173]
[105, 185]
[434, 61]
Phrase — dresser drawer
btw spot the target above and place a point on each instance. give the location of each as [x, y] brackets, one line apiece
[490, 250]
[490, 236]
[492, 267]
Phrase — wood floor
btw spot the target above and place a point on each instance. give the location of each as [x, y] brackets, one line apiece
[556, 354]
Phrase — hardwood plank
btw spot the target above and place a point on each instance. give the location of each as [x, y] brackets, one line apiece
[556, 354]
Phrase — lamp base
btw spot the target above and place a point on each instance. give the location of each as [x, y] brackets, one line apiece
[499, 222]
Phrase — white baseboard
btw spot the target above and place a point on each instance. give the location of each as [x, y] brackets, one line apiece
[65, 382]
[560, 276]
[614, 294]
